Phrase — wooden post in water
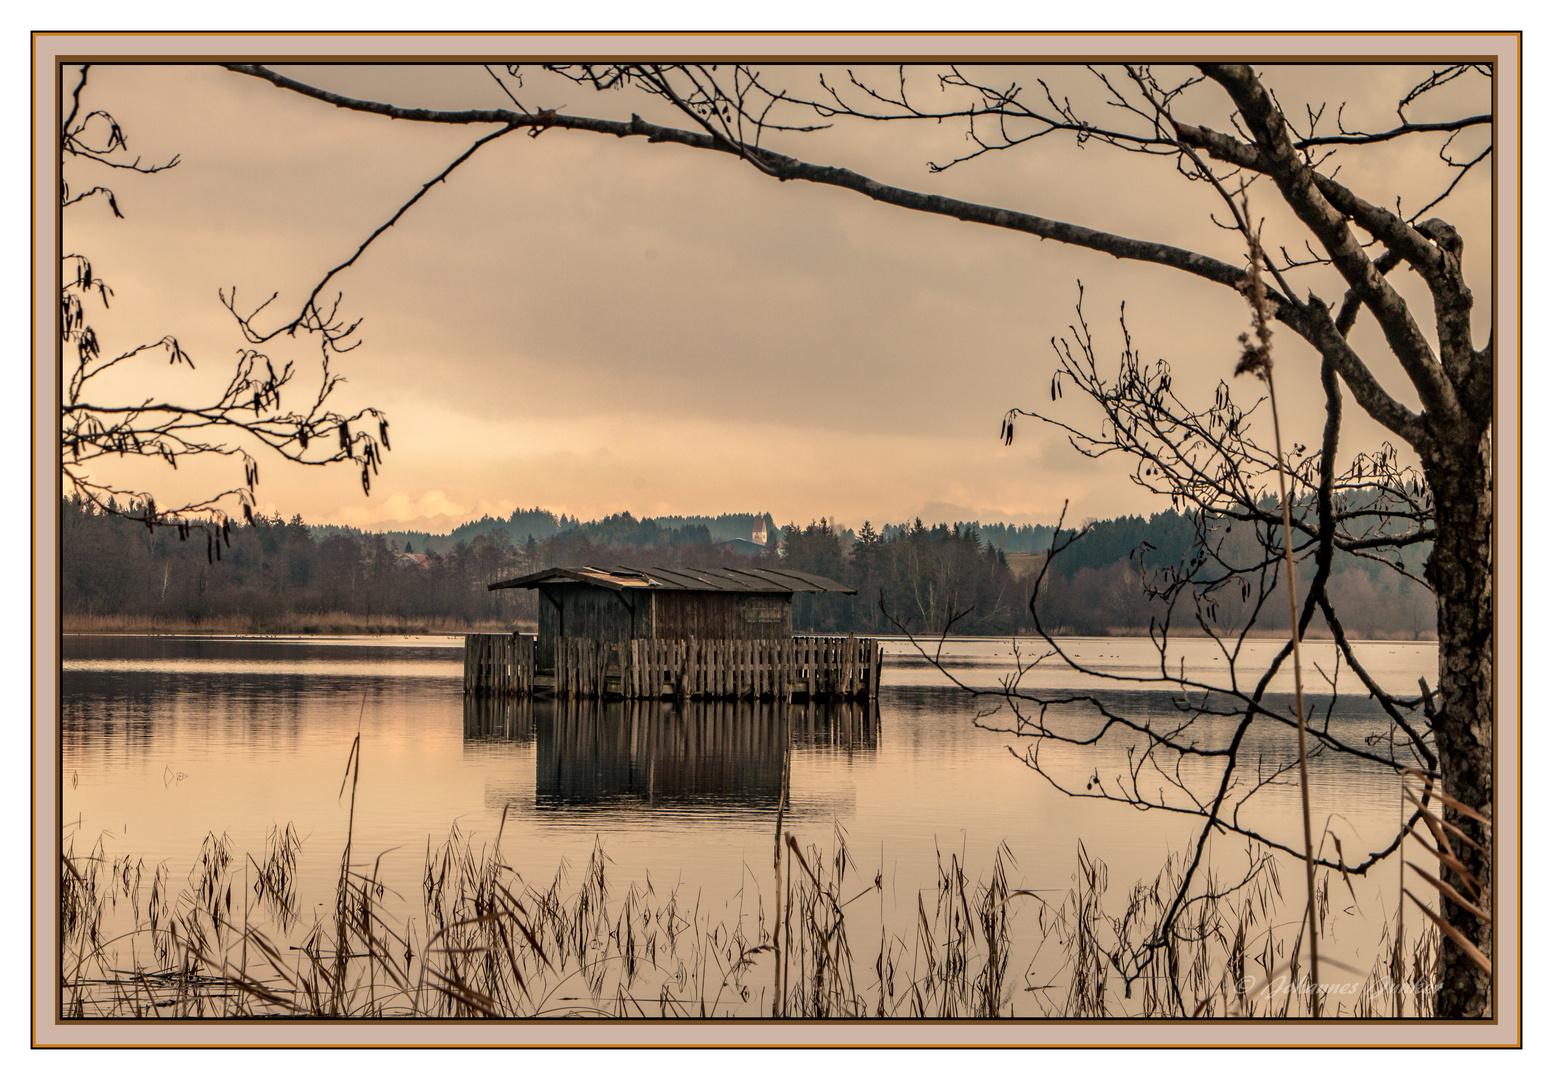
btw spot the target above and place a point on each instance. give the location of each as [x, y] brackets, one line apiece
[786, 693]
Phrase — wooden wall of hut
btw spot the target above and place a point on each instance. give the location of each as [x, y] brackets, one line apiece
[584, 611]
[575, 610]
[711, 616]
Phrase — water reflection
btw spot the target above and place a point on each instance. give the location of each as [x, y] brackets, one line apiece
[499, 719]
[262, 730]
[164, 740]
[653, 754]
[127, 714]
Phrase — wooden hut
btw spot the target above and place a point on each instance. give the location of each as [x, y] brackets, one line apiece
[652, 631]
[625, 603]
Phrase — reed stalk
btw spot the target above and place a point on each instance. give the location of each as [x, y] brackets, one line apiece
[1257, 359]
[780, 916]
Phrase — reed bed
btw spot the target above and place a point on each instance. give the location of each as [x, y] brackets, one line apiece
[831, 942]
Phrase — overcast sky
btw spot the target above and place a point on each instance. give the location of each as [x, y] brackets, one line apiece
[593, 325]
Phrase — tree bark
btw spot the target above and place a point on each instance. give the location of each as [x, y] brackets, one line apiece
[1460, 474]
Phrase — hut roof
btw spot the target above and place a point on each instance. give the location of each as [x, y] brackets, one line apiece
[681, 579]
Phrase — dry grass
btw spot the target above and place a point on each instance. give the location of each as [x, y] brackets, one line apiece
[486, 943]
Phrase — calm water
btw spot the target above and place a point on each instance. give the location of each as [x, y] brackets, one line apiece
[165, 739]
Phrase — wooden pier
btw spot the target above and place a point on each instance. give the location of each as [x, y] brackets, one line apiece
[712, 669]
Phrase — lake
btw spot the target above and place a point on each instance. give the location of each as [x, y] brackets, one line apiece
[167, 739]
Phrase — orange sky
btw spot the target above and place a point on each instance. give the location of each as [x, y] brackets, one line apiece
[594, 325]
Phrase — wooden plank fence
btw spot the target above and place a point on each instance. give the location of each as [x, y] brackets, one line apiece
[790, 669]
[499, 665]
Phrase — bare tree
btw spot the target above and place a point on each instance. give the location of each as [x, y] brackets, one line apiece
[243, 418]
[1203, 458]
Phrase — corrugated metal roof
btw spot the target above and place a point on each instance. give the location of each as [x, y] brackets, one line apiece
[682, 579]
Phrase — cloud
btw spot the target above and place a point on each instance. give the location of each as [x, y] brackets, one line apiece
[790, 348]
[950, 513]
[401, 510]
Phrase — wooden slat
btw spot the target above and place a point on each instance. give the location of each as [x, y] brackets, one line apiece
[810, 647]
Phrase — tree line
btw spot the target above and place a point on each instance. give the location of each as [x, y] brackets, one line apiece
[275, 573]
[616, 530]
[1103, 578]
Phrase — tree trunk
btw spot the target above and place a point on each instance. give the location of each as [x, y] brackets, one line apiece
[1461, 572]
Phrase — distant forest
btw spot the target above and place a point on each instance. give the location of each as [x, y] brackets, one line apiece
[617, 530]
[285, 576]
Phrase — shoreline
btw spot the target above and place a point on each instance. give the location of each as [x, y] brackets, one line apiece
[332, 624]
[338, 624]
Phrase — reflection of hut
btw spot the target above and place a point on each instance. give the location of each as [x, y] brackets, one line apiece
[716, 754]
[624, 603]
[710, 754]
